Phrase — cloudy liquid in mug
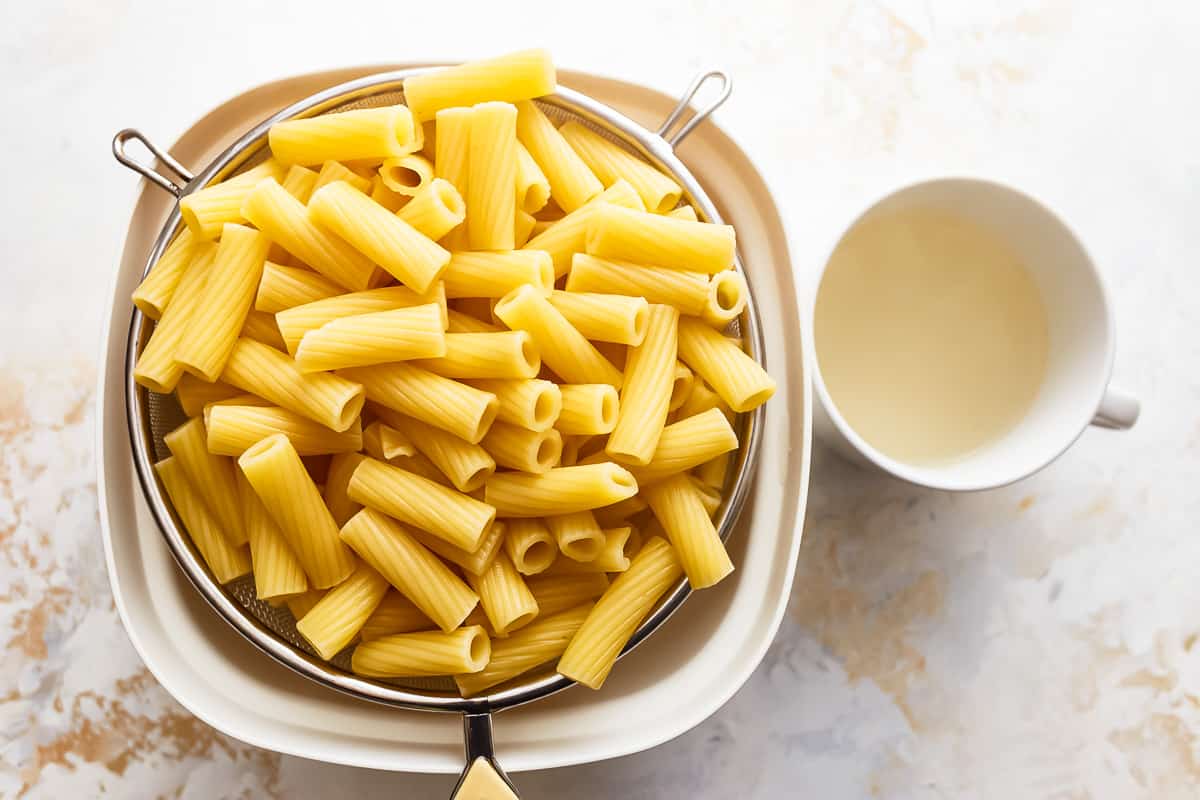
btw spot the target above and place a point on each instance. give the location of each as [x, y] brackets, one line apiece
[930, 335]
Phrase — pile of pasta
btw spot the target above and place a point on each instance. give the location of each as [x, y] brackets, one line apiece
[458, 387]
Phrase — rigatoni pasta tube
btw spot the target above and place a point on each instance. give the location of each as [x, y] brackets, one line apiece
[424, 653]
[646, 393]
[571, 182]
[533, 188]
[413, 259]
[296, 321]
[610, 162]
[406, 175]
[390, 200]
[588, 409]
[212, 475]
[614, 555]
[555, 593]
[332, 171]
[661, 241]
[522, 449]
[299, 182]
[224, 560]
[452, 161]
[417, 573]
[206, 211]
[541, 641]
[444, 403]
[710, 497]
[530, 545]
[460, 520]
[701, 399]
[604, 317]
[285, 221]
[516, 76]
[563, 349]
[260, 326]
[367, 133]
[337, 479]
[686, 444]
[678, 506]
[358, 341]
[329, 399]
[385, 443]
[523, 226]
[503, 354]
[285, 287]
[683, 212]
[234, 428]
[534, 404]
[504, 596]
[156, 367]
[578, 534]
[712, 473]
[618, 514]
[277, 571]
[563, 490]
[435, 210]
[687, 291]
[618, 613]
[302, 603]
[568, 235]
[279, 478]
[194, 394]
[394, 614]
[682, 381]
[736, 377]
[337, 617]
[727, 295]
[476, 561]
[466, 465]
[495, 274]
[492, 176]
[156, 290]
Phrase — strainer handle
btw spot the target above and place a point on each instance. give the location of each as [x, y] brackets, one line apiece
[147, 171]
[481, 764]
[683, 105]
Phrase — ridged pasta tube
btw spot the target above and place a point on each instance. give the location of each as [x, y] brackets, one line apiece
[578, 535]
[588, 409]
[394, 614]
[232, 429]
[156, 367]
[435, 210]
[492, 177]
[516, 76]
[466, 465]
[475, 562]
[555, 593]
[212, 475]
[534, 404]
[277, 571]
[563, 490]
[568, 235]
[687, 291]
[623, 234]
[444, 403]
[296, 321]
[495, 274]
[284, 287]
[540, 642]
[504, 596]
[610, 162]
[616, 318]
[380, 337]
[680, 509]
[338, 616]
[406, 175]
[727, 294]
[686, 444]
[563, 348]
[337, 479]
[361, 134]
[452, 161]
[736, 377]
[465, 650]
[571, 182]
[522, 449]
[530, 546]
[533, 188]
[646, 393]
[332, 171]
[155, 291]
[224, 560]
[206, 211]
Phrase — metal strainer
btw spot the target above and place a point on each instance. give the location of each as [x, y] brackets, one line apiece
[151, 415]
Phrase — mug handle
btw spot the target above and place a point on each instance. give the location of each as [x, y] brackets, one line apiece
[1118, 410]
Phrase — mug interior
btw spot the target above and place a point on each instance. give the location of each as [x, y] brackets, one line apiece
[1079, 343]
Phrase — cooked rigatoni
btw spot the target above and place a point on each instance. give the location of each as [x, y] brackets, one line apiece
[604, 317]
[571, 182]
[279, 478]
[260, 326]
[300, 182]
[394, 614]
[337, 479]
[618, 613]
[712, 473]
[564, 490]
[700, 399]
[457, 518]
[284, 220]
[234, 428]
[542, 641]
[194, 394]
[686, 444]
[687, 291]
[710, 497]
[516, 76]
[465, 650]
[380, 337]
[406, 175]
[413, 259]
[522, 449]
[475, 562]
[618, 514]
[224, 560]
[435, 210]
[530, 545]
[156, 367]
[523, 228]
[156, 290]
[736, 377]
[417, 573]
[568, 235]
[503, 354]
[329, 399]
[385, 443]
[362, 134]
[212, 475]
[285, 287]
[533, 188]
[504, 596]
[623, 234]
[444, 403]
[336, 171]
[727, 294]
[534, 404]
[578, 535]
[277, 571]
[682, 382]
[555, 593]
[618, 548]
[495, 274]
[208, 210]
[492, 176]
[680, 509]
[302, 603]
[296, 321]
[386, 197]
[588, 409]
[646, 393]
[563, 349]
[466, 465]
[459, 322]
[337, 617]
[452, 161]
[610, 162]
[683, 212]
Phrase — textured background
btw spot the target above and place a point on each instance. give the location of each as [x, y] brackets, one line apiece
[1037, 641]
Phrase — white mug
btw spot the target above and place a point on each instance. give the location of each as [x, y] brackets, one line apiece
[1075, 390]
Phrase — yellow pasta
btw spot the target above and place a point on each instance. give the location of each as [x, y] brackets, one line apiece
[286, 287]
[444, 403]
[534, 404]
[516, 76]
[682, 381]
[394, 614]
[713, 473]
[623, 234]
[568, 235]
[300, 182]
[617, 550]
[523, 228]
[194, 394]
[435, 210]
[646, 393]
[417, 573]
[505, 598]
[156, 367]
[563, 490]
[458, 322]
[277, 571]
[571, 182]
[451, 162]
[474, 562]
[260, 326]
[504, 354]
[155, 291]
[522, 449]
[234, 428]
[542, 641]
[727, 294]
[617, 614]
[368, 133]
[286, 490]
[335, 171]
[466, 465]
[686, 444]
[679, 508]
[208, 210]
[684, 212]
[481, 309]
[610, 162]
[383, 336]
[419, 464]
[301, 604]
[563, 348]
[337, 617]
[390, 200]
[212, 475]
[618, 514]
[588, 409]
[555, 593]
[570, 449]
[687, 291]
[495, 274]
[700, 399]
[296, 321]
[530, 546]
[224, 560]
[411, 258]
[710, 497]
[458, 519]
[492, 176]
[406, 175]
[285, 221]
[578, 535]
[533, 188]
[337, 479]
[736, 377]
[328, 399]
[465, 650]
[604, 317]
[385, 443]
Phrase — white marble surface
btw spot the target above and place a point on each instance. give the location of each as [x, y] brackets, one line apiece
[1037, 641]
